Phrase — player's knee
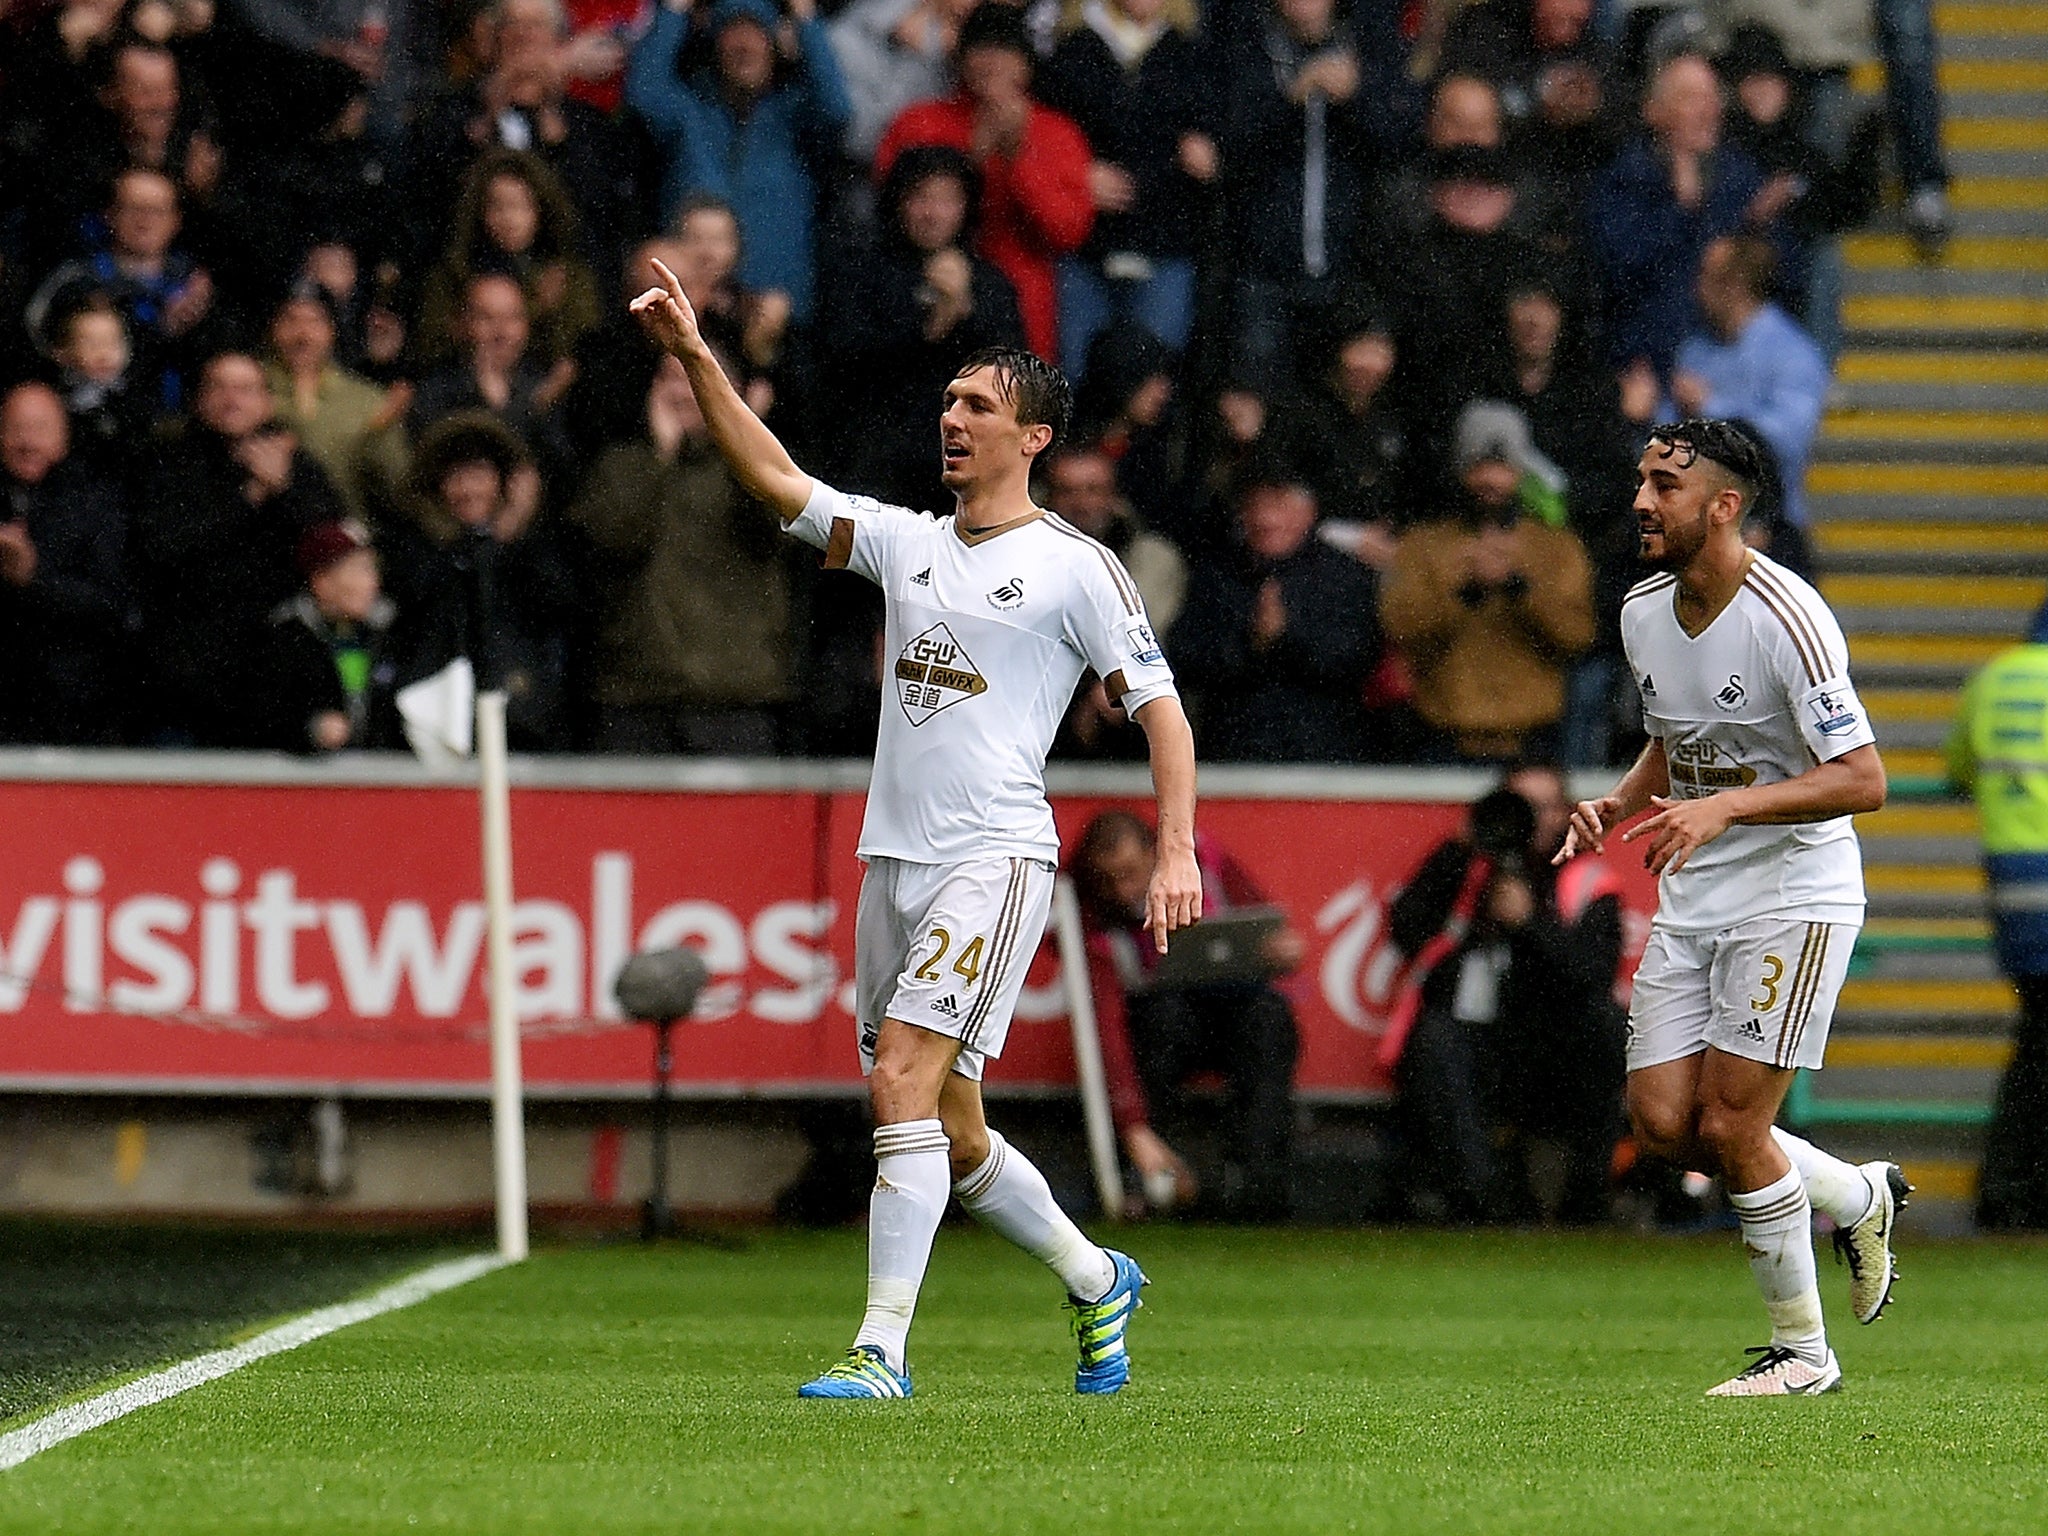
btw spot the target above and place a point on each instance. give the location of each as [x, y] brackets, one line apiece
[1662, 1128]
[967, 1148]
[1730, 1131]
[894, 1091]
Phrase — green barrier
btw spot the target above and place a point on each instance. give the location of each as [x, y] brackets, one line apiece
[1802, 1108]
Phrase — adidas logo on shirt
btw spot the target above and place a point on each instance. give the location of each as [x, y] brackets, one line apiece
[1649, 687]
[949, 1006]
[923, 578]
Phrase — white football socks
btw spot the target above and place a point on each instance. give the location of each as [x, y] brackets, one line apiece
[1777, 1231]
[911, 1175]
[1837, 1189]
[1009, 1195]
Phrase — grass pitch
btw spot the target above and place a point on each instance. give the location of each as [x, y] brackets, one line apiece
[1285, 1382]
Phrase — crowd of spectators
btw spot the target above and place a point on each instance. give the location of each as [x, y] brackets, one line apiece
[316, 369]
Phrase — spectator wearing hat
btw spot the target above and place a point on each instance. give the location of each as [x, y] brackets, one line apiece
[213, 545]
[1278, 635]
[1037, 203]
[892, 54]
[1489, 605]
[324, 672]
[1133, 76]
[748, 128]
[63, 598]
[1655, 209]
[476, 572]
[909, 310]
[350, 425]
[694, 651]
[1751, 362]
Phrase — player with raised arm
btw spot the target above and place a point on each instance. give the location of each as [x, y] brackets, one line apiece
[1759, 755]
[991, 616]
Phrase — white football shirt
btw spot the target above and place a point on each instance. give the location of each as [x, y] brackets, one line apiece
[984, 641]
[1758, 697]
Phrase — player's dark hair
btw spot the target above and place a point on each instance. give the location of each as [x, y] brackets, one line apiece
[1037, 391]
[1729, 445]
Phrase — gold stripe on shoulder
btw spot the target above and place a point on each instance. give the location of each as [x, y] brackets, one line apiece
[1126, 588]
[1777, 605]
[1803, 619]
[1645, 588]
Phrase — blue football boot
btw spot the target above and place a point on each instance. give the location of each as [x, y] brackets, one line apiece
[863, 1373]
[1105, 1364]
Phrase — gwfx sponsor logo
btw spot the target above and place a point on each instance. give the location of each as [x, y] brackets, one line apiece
[933, 673]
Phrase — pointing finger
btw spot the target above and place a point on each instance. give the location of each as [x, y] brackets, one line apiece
[668, 279]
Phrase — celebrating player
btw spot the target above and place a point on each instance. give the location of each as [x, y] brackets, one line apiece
[992, 614]
[1759, 754]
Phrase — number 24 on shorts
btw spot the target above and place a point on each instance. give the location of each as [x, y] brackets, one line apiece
[967, 963]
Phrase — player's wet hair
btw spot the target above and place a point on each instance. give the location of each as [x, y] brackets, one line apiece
[1731, 446]
[1037, 391]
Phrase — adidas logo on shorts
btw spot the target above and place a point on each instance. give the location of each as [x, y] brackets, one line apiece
[948, 1006]
[923, 578]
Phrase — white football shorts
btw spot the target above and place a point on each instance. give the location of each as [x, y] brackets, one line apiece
[1764, 989]
[946, 947]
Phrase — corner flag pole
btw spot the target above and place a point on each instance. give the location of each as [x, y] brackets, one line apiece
[1066, 919]
[508, 1126]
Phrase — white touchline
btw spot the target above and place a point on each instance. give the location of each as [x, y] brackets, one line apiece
[17, 1446]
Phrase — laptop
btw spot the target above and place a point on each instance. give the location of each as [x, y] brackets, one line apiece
[1231, 946]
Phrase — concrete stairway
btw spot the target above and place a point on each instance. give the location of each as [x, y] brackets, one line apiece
[1930, 497]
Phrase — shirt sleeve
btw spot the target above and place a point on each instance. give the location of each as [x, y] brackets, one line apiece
[856, 533]
[1108, 626]
[1813, 659]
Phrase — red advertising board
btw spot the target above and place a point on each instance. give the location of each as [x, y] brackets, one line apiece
[294, 936]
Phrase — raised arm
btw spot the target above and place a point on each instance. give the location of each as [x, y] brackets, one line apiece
[1174, 898]
[752, 452]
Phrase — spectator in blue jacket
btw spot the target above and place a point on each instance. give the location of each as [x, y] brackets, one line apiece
[1752, 361]
[1656, 208]
[748, 127]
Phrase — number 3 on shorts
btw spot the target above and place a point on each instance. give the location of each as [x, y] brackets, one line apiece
[969, 962]
[1774, 972]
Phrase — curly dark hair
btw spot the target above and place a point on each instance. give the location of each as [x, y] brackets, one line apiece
[1037, 391]
[1731, 446]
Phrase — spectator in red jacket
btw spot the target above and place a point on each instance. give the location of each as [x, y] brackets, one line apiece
[1153, 1040]
[1035, 200]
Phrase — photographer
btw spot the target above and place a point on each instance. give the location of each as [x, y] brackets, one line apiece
[1505, 1031]
[1154, 1038]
